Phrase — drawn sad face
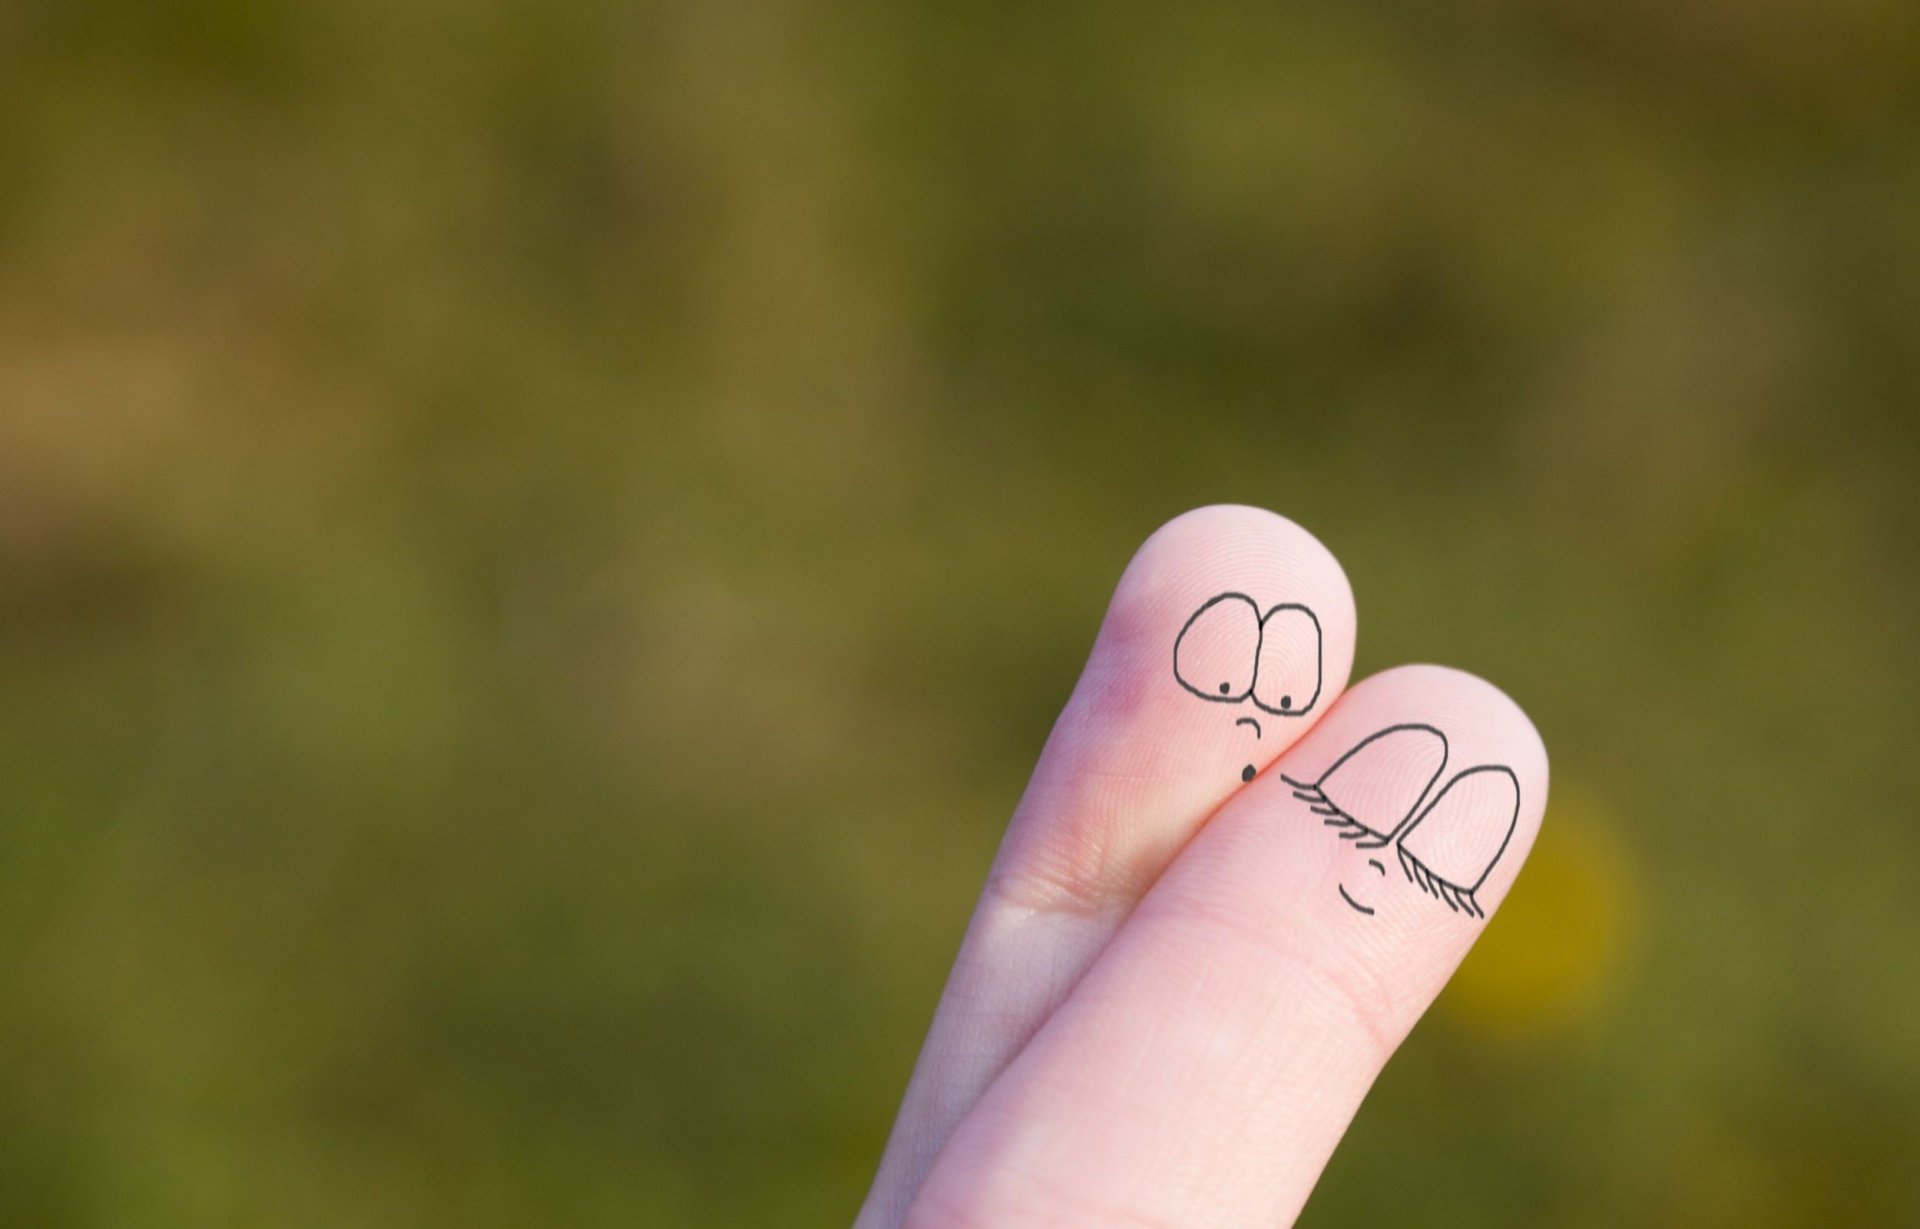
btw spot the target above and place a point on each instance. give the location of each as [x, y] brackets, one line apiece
[1231, 653]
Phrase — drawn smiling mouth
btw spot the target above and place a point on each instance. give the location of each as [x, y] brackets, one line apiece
[1366, 909]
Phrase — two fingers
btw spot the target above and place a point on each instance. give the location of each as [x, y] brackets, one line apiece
[1203, 1069]
[1134, 1035]
[1134, 766]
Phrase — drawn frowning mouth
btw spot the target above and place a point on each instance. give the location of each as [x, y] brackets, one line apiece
[1249, 772]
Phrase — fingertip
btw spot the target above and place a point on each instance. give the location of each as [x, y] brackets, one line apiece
[1230, 633]
[1438, 770]
[1221, 548]
[1493, 722]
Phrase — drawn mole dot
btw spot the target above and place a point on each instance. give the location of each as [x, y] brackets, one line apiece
[1286, 702]
[1225, 688]
[1246, 774]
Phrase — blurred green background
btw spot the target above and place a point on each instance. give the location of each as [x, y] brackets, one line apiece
[539, 541]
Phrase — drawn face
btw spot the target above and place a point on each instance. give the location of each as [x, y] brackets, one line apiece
[1231, 653]
[1373, 797]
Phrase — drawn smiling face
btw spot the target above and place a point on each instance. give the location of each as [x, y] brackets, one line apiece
[1372, 797]
[1231, 653]
[1373, 790]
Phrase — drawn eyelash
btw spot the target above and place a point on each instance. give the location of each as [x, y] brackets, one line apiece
[1332, 816]
[1464, 829]
[1460, 900]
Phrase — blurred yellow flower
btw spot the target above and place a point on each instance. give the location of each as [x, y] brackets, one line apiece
[1551, 956]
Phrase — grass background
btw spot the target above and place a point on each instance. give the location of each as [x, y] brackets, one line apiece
[538, 542]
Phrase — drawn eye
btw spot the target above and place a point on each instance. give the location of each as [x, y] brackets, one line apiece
[1218, 649]
[1453, 846]
[1368, 793]
[1288, 677]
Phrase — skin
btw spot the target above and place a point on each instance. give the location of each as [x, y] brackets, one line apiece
[1169, 1004]
[1358, 907]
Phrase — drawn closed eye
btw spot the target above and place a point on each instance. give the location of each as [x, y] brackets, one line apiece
[1219, 649]
[1371, 791]
[1287, 681]
[1449, 851]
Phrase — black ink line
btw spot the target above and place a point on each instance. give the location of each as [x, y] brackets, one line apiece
[1454, 896]
[1351, 901]
[1209, 604]
[1513, 820]
[1456, 899]
[1355, 749]
[1305, 792]
[1319, 654]
[1249, 721]
[1226, 694]
[1353, 830]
